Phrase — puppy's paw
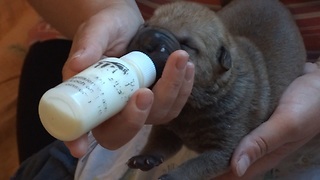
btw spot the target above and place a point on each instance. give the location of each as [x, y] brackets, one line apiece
[144, 162]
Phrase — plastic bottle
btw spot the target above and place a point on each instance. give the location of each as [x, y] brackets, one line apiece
[79, 104]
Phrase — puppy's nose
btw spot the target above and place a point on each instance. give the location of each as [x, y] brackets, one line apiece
[157, 43]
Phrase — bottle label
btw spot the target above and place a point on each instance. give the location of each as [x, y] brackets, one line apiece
[104, 87]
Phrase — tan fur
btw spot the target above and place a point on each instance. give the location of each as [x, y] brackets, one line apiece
[245, 56]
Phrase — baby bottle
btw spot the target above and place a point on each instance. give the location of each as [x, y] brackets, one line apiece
[82, 102]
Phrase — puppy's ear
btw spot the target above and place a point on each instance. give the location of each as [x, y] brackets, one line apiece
[224, 58]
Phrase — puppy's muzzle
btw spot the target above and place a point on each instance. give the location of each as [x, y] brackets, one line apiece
[157, 43]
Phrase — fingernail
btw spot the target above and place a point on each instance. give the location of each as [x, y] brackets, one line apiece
[189, 72]
[243, 165]
[76, 54]
[181, 64]
[144, 101]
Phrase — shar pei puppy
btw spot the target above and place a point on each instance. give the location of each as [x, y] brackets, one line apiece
[245, 55]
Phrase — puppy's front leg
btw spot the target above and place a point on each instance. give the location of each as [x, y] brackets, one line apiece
[161, 145]
[206, 166]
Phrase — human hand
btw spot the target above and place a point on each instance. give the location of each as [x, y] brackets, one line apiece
[107, 32]
[295, 121]
[158, 106]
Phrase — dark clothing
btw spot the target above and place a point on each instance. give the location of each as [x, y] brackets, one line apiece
[41, 71]
[53, 162]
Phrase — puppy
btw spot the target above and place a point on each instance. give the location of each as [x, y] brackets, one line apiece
[245, 55]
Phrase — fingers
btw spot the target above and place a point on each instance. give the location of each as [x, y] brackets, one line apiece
[183, 94]
[118, 130]
[293, 122]
[268, 161]
[171, 92]
[172, 89]
[78, 147]
[86, 48]
[268, 144]
[265, 139]
[107, 32]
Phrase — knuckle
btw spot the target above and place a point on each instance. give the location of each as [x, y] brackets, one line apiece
[135, 124]
[175, 85]
[171, 83]
[262, 146]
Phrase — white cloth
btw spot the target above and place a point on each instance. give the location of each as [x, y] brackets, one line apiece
[102, 164]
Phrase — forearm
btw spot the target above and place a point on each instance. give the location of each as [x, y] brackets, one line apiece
[67, 15]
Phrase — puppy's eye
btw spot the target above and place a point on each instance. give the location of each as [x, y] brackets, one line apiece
[187, 45]
[224, 58]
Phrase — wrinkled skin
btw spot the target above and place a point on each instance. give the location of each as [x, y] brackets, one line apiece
[244, 60]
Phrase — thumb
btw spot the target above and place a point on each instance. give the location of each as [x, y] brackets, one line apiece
[89, 44]
[85, 51]
[266, 138]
